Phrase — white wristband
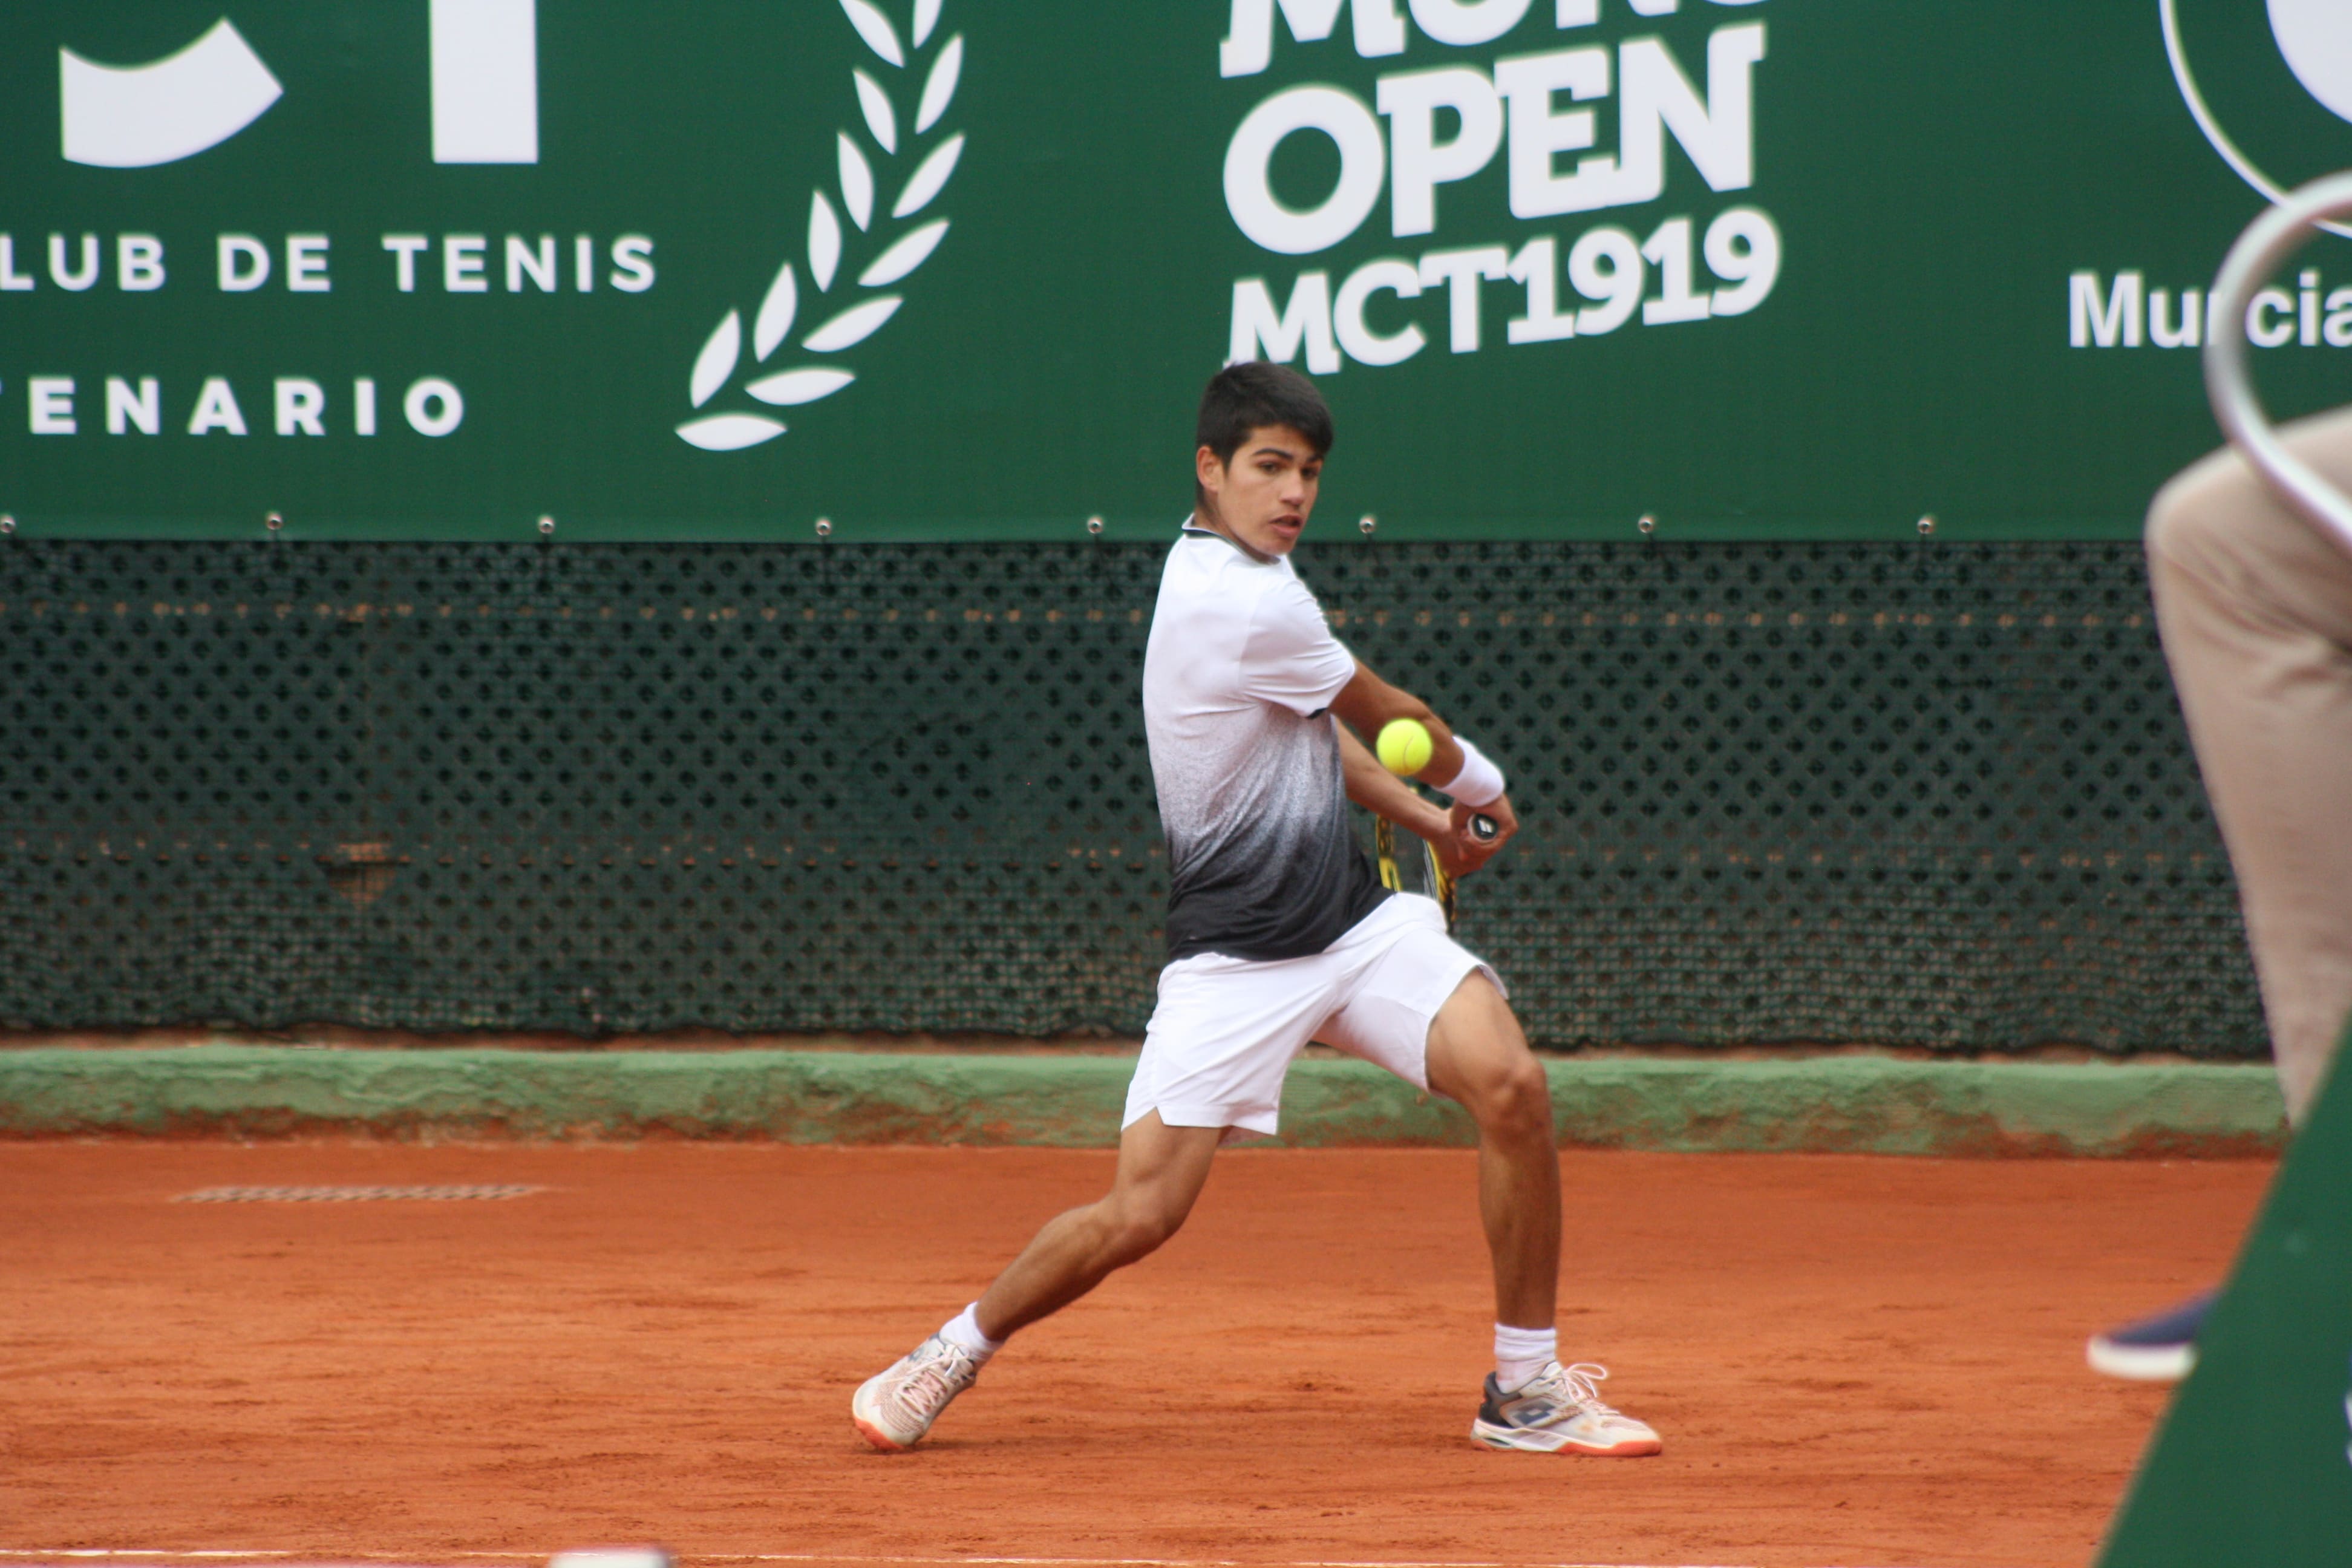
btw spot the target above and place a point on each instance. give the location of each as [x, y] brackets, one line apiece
[1479, 784]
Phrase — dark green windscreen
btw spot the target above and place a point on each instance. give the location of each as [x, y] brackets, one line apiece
[1922, 794]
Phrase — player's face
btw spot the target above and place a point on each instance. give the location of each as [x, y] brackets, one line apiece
[1264, 497]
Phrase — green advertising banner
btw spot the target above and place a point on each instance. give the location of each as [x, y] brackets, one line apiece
[946, 270]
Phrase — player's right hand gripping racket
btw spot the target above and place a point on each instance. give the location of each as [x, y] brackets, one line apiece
[1434, 879]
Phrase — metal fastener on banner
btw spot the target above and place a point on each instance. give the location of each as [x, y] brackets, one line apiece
[1095, 526]
[547, 525]
[824, 527]
[1370, 523]
[1926, 525]
[1648, 524]
[273, 522]
[7, 525]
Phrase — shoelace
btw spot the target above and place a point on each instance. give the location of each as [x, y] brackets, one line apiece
[1574, 1385]
[928, 1377]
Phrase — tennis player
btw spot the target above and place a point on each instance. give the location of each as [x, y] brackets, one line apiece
[1279, 932]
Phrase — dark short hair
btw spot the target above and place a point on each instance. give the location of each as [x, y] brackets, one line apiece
[1254, 395]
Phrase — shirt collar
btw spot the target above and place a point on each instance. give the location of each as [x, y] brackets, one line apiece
[1193, 529]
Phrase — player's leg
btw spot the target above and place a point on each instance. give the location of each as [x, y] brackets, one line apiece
[2255, 610]
[1151, 1193]
[1415, 1002]
[1160, 1173]
[1221, 1038]
[1479, 1056]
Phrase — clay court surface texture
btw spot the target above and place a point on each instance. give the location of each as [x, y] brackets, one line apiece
[1853, 1361]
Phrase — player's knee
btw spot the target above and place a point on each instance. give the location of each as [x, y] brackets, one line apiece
[1138, 1230]
[1514, 1098]
[1526, 1094]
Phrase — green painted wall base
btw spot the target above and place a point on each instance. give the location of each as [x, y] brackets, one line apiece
[1851, 1104]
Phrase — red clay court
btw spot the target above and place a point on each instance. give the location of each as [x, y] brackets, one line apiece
[1853, 1361]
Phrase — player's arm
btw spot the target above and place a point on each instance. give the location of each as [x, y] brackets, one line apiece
[1364, 705]
[1367, 703]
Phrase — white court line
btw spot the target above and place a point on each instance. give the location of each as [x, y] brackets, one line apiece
[1189, 1562]
[1177, 1561]
[83, 1554]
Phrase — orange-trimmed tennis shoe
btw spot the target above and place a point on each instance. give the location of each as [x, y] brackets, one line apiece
[1560, 1411]
[894, 1409]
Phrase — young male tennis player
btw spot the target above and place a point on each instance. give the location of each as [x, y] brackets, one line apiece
[1279, 932]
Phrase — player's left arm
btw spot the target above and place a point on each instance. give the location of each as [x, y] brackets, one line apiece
[1364, 705]
[1367, 704]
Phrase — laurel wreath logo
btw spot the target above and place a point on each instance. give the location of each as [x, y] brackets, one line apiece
[720, 357]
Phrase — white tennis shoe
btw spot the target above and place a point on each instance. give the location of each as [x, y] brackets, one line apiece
[1560, 1411]
[894, 1409]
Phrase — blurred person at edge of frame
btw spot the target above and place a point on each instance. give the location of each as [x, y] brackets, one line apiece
[2254, 605]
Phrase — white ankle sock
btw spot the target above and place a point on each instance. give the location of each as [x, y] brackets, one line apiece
[1520, 1353]
[964, 1330]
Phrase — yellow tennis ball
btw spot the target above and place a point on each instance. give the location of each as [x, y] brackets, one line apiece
[1405, 746]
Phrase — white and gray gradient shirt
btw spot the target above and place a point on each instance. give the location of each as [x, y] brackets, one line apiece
[1238, 680]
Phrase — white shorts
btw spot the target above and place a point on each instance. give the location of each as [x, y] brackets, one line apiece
[1226, 1029]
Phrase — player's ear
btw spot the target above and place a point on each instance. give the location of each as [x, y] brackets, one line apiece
[1209, 470]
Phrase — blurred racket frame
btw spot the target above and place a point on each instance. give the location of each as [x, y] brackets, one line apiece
[1435, 879]
[1438, 884]
[2272, 238]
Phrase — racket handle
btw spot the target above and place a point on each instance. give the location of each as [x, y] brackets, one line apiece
[1484, 828]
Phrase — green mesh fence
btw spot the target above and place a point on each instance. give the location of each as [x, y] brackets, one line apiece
[1927, 794]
